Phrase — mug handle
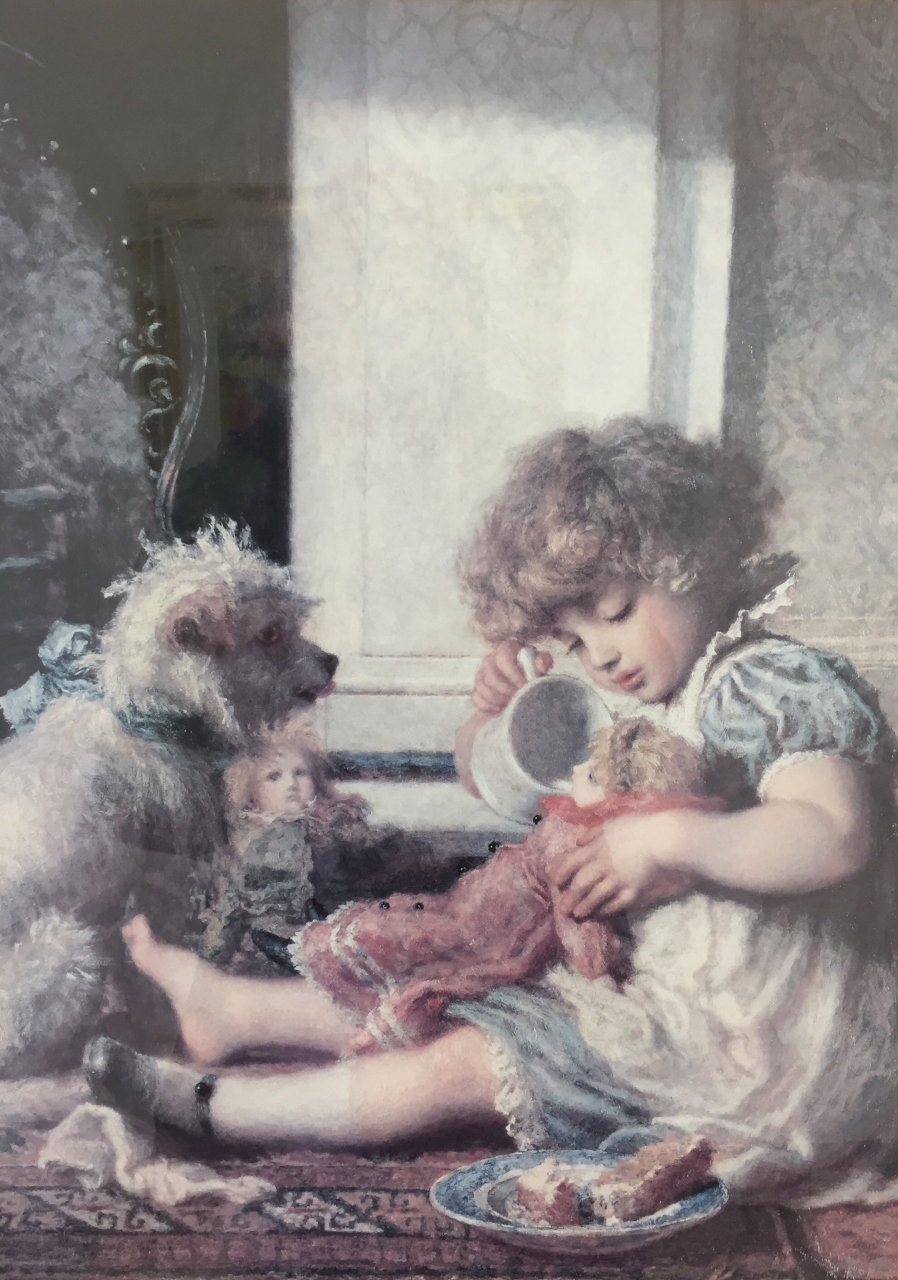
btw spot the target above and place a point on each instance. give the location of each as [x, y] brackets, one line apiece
[526, 658]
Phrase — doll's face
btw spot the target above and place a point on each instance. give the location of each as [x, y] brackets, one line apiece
[285, 786]
[589, 784]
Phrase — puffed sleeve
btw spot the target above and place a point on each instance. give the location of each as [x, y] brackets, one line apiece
[777, 700]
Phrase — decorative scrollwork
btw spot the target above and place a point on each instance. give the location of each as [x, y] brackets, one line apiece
[150, 372]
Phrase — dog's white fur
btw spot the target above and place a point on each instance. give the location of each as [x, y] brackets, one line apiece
[91, 814]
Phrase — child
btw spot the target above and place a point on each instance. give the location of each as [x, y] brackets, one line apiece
[499, 924]
[763, 1006]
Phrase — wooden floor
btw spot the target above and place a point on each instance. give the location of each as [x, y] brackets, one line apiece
[348, 1215]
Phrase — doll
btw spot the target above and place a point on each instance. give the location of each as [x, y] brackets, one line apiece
[265, 876]
[298, 848]
[397, 964]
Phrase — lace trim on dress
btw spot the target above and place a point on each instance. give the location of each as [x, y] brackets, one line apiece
[793, 757]
[514, 1102]
[684, 712]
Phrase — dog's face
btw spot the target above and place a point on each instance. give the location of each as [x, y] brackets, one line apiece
[264, 665]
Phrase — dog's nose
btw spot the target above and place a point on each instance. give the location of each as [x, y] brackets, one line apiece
[330, 662]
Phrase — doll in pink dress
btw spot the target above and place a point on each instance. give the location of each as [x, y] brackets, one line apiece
[396, 964]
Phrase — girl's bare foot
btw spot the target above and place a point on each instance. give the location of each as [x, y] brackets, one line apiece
[196, 990]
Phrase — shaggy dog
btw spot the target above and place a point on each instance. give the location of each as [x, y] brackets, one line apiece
[108, 805]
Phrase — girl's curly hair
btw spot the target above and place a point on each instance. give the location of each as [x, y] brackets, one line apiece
[634, 500]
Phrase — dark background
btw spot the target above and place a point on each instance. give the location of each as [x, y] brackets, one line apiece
[165, 113]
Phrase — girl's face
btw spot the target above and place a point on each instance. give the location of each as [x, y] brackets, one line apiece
[638, 639]
[285, 784]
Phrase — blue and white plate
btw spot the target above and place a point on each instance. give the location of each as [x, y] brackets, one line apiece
[479, 1195]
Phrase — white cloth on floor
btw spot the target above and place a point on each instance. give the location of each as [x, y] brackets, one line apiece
[103, 1147]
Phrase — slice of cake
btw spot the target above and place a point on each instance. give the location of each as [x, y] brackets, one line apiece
[656, 1176]
[552, 1194]
[546, 1195]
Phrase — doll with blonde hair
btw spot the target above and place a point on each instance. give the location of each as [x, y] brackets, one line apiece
[298, 847]
[281, 776]
[281, 800]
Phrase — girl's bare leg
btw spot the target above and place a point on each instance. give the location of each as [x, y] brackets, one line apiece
[360, 1102]
[370, 1101]
[220, 1014]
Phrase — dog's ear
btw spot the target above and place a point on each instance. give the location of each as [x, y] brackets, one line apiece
[201, 623]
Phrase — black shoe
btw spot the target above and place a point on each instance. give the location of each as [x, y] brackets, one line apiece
[120, 1077]
[275, 948]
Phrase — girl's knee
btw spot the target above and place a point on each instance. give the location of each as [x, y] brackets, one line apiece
[460, 1062]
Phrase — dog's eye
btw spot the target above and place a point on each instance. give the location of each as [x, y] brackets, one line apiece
[270, 636]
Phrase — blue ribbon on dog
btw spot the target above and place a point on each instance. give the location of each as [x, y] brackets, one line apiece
[62, 656]
[173, 728]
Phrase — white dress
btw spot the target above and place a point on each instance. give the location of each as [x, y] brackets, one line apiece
[768, 1024]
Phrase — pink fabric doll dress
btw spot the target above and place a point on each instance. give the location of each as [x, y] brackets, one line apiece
[396, 965]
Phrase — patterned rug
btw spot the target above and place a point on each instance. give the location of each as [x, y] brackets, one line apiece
[334, 1215]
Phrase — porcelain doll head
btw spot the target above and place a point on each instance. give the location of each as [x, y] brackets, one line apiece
[283, 774]
[637, 756]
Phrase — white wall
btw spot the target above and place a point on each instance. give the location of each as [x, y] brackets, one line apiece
[476, 239]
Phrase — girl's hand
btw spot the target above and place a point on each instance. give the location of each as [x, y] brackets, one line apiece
[501, 675]
[812, 829]
[619, 865]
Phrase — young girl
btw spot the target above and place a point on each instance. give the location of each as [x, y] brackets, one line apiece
[763, 1007]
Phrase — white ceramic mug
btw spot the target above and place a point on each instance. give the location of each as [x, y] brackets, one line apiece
[531, 749]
